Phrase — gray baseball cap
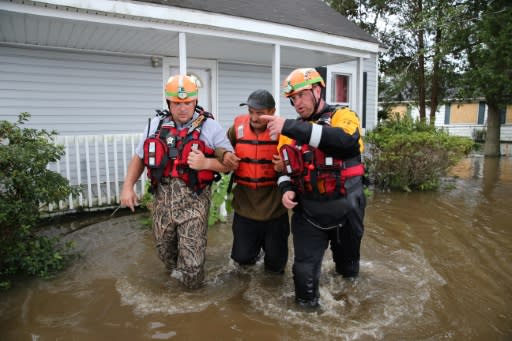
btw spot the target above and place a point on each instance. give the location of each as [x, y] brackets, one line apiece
[260, 99]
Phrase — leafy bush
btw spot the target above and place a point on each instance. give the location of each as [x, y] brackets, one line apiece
[219, 197]
[410, 155]
[25, 184]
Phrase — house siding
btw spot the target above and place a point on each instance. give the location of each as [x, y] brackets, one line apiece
[78, 93]
[84, 93]
[370, 70]
[237, 81]
[369, 66]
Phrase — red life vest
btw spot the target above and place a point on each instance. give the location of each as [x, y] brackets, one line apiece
[313, 171]
[255, 152]
[166, 153]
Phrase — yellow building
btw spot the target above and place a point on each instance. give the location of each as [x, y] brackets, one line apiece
[455, 113]
[472, 113]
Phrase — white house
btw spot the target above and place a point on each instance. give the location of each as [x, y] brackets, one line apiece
[95, 70]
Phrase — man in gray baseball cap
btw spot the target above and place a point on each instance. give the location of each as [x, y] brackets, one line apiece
[260, 99]
[260, 221]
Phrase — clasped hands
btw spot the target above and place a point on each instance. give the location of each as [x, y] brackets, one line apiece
[275, 125]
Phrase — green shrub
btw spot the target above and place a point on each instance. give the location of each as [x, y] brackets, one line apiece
[219, 197]
[25, 184]
[411, 155]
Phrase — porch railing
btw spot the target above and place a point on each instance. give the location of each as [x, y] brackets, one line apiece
[97, 165]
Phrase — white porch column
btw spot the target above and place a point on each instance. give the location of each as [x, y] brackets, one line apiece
[276, 74]
[359, 94]
[183, 53]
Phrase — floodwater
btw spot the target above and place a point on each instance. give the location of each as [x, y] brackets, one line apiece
[435, 266]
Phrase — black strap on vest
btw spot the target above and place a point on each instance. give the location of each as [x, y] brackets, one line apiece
[256, 142]
[259, 162]
[256, 180]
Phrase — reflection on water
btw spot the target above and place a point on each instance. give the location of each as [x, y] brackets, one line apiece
[435, 266]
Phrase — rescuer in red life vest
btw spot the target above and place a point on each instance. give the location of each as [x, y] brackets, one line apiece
[178, 150]
[260, 220]
[321, 181]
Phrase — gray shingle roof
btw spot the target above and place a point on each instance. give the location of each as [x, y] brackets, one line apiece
[310, 14]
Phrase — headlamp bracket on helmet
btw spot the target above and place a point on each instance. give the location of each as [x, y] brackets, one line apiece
[182, 94]
[289, 88]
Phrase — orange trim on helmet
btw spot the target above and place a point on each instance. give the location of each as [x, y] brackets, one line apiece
[181, 88]
[301, 79]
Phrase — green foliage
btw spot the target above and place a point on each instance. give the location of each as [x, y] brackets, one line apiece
[439, 49]
[219, 197]
[147, 197]
[364, 13]
[25, 184]
[147, 202]
[34, 255]
[412, 155]
[484, 37]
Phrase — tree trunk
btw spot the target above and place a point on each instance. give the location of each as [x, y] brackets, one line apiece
[434, 97]
[492, 139]
[421, 67]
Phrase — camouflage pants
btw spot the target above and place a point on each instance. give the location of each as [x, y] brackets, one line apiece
[180, 223]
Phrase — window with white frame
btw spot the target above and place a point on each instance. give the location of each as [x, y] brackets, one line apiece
[340, 89]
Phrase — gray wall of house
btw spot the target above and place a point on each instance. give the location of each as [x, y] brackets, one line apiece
[237, 81]
[370, 67]
[78, 93]
[89, 94]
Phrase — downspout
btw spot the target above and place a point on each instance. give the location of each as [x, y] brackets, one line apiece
[276, 75]
[359, 88]
[183, 53]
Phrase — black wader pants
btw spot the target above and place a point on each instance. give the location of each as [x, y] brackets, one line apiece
[310, 242]
[250, 236]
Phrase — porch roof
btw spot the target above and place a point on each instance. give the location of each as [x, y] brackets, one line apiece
[242, 31]
[310, 14]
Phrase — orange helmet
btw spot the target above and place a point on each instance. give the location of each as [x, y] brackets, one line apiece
[301, 79]
[181, 88]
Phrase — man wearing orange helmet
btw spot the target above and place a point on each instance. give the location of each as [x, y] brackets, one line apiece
[321, 182]
[178, 151]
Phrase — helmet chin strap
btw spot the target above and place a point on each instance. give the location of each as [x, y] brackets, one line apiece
[317, 102]
[197, 107]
